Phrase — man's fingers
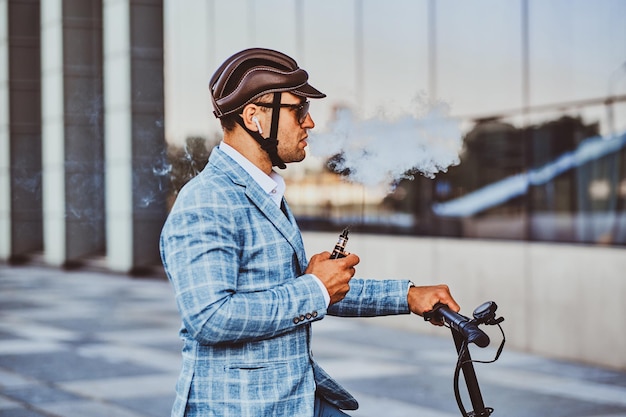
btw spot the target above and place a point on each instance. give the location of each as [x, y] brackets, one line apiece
[351, 260]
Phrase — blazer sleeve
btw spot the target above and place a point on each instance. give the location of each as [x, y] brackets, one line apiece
[200, 249]
[371, 297]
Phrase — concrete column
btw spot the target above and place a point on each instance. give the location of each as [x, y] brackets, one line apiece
[72, 133]
[134, 135]
[20, 130]
[5, 149]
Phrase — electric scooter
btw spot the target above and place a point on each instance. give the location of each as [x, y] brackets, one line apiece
[466, 331]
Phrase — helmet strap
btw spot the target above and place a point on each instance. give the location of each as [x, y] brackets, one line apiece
[275, 115]
[269, 144]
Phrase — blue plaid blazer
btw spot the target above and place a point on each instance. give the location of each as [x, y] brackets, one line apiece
[234, 260]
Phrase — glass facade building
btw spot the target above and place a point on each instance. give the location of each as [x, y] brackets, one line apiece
[538, 90]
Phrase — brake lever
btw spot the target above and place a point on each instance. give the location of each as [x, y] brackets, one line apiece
[434, 315]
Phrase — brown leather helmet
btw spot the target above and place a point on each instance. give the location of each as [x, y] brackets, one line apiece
[251, 73]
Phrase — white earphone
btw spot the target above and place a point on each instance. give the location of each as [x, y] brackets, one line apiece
[258, 125]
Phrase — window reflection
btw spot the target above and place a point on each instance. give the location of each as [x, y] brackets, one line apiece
[557, 180]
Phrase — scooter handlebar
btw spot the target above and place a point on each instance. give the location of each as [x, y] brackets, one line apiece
[468, 328]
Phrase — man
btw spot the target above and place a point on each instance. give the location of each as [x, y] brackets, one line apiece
[234, 254]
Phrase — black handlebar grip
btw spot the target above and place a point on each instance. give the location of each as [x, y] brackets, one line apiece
[460, 323]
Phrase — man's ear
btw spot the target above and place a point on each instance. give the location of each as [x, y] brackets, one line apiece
[252, 118]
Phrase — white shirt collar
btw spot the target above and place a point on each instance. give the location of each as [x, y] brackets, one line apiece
[274, 185]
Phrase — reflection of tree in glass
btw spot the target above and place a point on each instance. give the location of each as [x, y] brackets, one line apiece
[187, 161]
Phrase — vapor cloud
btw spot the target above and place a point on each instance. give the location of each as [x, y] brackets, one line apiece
[377, 152]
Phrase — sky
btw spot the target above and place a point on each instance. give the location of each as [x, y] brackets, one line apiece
[384, 59]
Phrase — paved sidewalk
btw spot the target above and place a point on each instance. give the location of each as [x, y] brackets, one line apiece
[92, 344]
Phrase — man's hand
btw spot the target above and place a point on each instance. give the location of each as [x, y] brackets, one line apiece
[335, 274]
[423, 299]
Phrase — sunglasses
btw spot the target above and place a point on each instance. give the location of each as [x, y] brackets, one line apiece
[302, 109]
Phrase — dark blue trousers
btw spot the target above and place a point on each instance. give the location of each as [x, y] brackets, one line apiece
[325, 409]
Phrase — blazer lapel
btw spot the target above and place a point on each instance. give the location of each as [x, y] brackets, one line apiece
[285, 223]
[299, 246]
